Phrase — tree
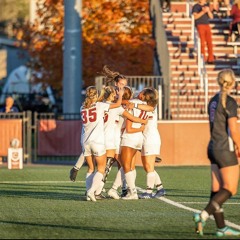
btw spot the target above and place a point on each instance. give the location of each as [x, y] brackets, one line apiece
[116, 33]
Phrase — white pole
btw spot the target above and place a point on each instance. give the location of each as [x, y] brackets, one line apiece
[159, 102]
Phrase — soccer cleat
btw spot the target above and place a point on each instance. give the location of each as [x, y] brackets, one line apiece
[100, 197]
[158, 159]
[91, 195]
[131, 196]
[73, 174]
[227, 231]
[146, 196]
[113, 194]
[160, 193]
[199, 223]
[124, 192]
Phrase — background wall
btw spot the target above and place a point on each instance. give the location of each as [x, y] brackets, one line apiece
[183, 143]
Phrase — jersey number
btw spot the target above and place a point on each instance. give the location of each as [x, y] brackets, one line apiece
[89, 115]
[143, 115]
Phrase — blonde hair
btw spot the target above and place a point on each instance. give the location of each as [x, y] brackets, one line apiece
[112, 76]
[226, 79]
[106, 93]
[91, 96]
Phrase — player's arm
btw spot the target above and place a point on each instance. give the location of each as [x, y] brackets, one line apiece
[129, 116]
[130, 129]
[119, 101]
[143, 107]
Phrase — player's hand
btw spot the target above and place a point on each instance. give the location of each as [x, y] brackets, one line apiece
[144, 121]
[120, 91]
[142, 127]
[130, 106]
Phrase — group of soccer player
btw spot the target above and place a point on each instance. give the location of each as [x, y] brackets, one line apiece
[115, 126]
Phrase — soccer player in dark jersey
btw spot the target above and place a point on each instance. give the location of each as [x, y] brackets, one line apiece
[223, 150]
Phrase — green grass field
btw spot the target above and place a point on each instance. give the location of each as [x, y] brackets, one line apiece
[39, 202]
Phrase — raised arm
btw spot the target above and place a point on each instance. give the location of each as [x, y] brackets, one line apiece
[119, 101]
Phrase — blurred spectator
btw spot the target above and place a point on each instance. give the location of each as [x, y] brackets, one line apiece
[165, 5]
[202, 13]
[217, 3]
[234, 26]
[9, 106]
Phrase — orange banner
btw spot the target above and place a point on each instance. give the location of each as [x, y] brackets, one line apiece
[9, 129]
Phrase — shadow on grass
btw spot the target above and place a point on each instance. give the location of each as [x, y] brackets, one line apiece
[124, 231]
[44, 194]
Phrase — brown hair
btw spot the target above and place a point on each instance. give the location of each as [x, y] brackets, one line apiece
[226, 79]
[150, 96]
[112, 76]
[91, 96]
[127, 93]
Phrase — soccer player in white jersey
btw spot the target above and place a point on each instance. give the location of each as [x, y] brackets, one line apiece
[120, 177]
[131, 142]
[150, 149]
[108, 95]
[92, 138]
[119, 81]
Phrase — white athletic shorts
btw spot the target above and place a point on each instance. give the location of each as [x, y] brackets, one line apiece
[92, 148]
[152, 149]
[132, 140]
[110, 140]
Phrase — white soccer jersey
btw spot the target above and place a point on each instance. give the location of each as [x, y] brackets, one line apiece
[151, 136]
[93, 123]
[110, 125]
[134, 140]
[118, 133]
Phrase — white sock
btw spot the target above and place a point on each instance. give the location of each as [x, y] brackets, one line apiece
[134, 174]
[158, 182]
[118, 180]
[79, 162]
[89, 179]
[150, 181]
[100, 188]
[130, 181]
[97, 179]
[204, 215]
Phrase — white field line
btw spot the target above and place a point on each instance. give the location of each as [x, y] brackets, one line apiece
[227, 203]
[179, 205]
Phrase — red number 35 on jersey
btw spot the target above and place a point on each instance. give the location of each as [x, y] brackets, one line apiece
[89, 115]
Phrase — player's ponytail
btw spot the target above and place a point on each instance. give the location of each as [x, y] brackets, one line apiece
[111, 76]
[226, 79]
